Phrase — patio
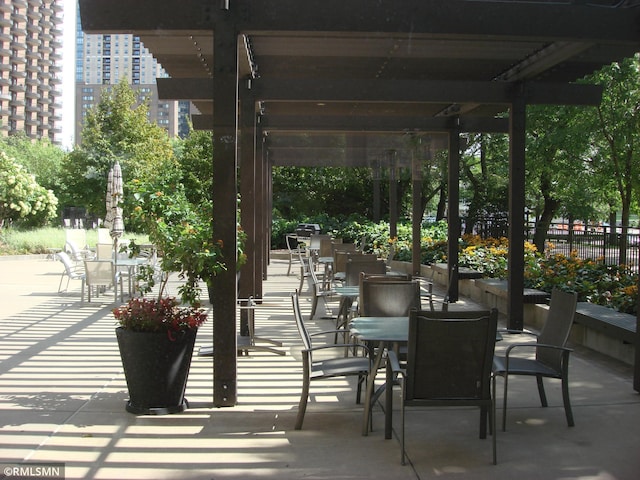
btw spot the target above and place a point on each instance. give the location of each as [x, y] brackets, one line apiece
[62, 399]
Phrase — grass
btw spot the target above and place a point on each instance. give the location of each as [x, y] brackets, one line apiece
[40, 240]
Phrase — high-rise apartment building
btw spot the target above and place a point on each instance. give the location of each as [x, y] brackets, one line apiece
[30, 67]
[104, 60]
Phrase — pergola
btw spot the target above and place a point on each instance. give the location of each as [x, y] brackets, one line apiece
[342, 82]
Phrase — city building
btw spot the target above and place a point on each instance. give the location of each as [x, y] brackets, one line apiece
[30, 67]
[104, 60]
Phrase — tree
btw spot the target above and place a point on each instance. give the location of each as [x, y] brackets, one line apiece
[557, 180]
[616, 139]
[334, 191]
[40, 157]
[195, 157]
[484, 167]
[21, 197]
[117, 128]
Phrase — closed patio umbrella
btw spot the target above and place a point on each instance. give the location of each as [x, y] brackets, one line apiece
[108, 218]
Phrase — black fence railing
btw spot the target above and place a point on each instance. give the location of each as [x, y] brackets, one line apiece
[599, 242]
[602, 242]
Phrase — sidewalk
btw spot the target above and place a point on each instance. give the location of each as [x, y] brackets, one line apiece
[62, 399]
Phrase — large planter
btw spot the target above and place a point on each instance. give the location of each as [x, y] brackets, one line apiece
[156, 369]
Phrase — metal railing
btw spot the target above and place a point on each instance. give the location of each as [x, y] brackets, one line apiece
[598, 242]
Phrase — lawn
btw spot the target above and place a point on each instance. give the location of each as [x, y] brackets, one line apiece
[40, 240]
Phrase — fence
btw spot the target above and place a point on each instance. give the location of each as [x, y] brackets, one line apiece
[595, 241]
[589, 241]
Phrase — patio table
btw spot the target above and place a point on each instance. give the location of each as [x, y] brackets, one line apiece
[385, 332]
[131, 264]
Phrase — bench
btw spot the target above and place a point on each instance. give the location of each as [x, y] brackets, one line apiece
[464, 273]
[498, 288]
[621, 326]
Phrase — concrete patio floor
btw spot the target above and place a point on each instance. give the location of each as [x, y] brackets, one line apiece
[63, 393]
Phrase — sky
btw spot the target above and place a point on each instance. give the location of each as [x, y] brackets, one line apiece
[68, 73]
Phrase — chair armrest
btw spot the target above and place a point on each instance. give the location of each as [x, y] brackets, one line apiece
[511, 331]
[342, 346]
[534, 346]
[392, 358]
[324, 332]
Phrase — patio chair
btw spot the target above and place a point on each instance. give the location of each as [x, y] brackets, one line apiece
[338, 366]
[551, 354]
[448, 365]
[316, 240]
[293, 247]
[356, 265]
[104, 251]
[386, 296]
[303, 260]
[321, 290]
[362, 244]
[390, 256]
[73, 271]
[102, 274]
[427, 293]
[76, 253]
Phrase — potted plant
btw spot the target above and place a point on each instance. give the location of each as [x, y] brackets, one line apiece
[182, 233]
[156, 339]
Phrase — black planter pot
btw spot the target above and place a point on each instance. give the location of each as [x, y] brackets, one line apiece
[156, 370]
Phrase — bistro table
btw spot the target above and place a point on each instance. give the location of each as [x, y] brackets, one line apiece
[385, 331]
[131, 264]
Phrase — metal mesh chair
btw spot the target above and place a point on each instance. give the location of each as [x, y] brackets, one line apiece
[339, 366]
[356, 265]
[551, 354]
[102, 273]
[448, 364]
[73, 271]
[385, 296]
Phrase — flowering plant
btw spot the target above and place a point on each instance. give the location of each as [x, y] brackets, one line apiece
[158, 315]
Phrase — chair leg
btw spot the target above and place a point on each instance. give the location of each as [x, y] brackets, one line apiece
[492, 420]
[543, 397]
[483, 422]
[402, 411]
[567, 404]
[504, 402]
[302, 405]
[314, 305]
[361, 379]
[301, 278]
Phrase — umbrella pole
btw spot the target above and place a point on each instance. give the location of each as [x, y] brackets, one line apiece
[115, 269]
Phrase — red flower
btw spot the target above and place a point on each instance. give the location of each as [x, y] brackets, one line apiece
[152, 315]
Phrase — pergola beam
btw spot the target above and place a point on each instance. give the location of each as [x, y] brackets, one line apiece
[429, 17]
[335, 124]
[498, 93]
[193, 89]
[409, 91]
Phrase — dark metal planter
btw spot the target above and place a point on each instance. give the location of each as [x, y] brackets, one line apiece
[156, 369]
